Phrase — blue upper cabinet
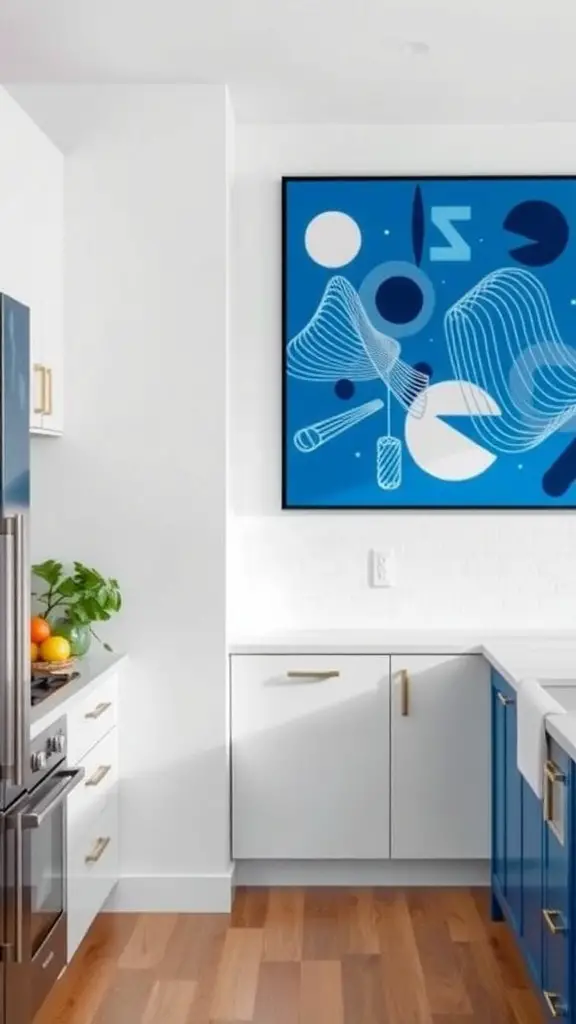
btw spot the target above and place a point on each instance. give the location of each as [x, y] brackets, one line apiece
[507, 804]
[557, 898]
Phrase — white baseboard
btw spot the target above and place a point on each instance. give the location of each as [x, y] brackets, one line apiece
[363, 872]
[173, 894]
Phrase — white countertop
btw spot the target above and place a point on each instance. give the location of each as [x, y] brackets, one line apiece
[92, 670]
[548, 656]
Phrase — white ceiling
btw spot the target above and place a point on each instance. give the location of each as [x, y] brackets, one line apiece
[313, 60]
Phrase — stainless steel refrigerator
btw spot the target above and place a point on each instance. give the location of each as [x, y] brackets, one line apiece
[14, 621]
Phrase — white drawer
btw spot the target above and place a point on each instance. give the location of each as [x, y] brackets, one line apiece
[92, 718]
[100, 781]
[93, 870]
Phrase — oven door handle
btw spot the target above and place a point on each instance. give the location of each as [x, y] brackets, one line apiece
[65, 781]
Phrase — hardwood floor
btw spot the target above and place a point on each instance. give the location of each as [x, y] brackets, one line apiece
[288, 956]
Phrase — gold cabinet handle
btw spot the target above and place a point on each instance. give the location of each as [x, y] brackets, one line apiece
[316, 676]
[504, 699]
[41, 370]
[554, 921]
[554, 1004]
[99, 847]
[99, 710]
[99, 774]
[553, 772]
[47, 390]
[405, 693]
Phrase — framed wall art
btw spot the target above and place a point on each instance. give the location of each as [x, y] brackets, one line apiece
[429, 342]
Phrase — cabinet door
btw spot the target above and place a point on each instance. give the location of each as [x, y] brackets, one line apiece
[532, 879]
[440, 757]
[513, 889]
[310, 757]
[498, 786]
[557, 910]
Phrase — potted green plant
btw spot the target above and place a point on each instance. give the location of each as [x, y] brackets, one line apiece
[74, 601]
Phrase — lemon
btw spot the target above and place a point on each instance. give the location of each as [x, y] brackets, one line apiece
[55, 648]
[33, 653]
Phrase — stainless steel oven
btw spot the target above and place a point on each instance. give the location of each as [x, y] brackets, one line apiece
[35, 877]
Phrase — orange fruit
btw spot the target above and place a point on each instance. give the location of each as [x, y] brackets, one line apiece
[33, 653]
[55, 648]
[39, 629]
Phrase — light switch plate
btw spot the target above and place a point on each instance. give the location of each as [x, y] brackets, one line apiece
[382, 568]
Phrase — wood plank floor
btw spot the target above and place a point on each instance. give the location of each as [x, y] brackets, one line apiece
[289, 956]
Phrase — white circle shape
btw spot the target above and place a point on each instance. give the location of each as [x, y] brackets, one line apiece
[438, 447]
[332, 239]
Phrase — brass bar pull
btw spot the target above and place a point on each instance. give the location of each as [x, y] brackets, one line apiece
[554, 1004]
[316, 676]
[99, 847]
[41, 370]
[47, 402]
[553, 772]
[504, 699]
[405, 693]
[99, 710]
[554, 921]
[99, 774]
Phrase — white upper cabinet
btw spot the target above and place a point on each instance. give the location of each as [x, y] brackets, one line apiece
[311, 757]
[31, 252]
[440, 763]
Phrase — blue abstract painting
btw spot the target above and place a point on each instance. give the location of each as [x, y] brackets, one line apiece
[429, 336]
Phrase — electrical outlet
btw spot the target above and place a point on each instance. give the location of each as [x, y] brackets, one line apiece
[382, 568]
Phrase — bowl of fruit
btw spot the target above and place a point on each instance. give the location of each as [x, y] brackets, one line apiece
[50, 654]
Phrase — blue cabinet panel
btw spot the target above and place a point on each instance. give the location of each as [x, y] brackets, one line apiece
[532, 871]
[557, 910]
[498, 787]
[506, 803]
[513, 820]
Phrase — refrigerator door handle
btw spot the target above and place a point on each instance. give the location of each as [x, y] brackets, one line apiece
[21, 645]
[7, 653]
[19, 891]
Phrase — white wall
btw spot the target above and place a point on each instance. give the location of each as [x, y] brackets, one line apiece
[137, 485]
[310, 570]
[31, 223]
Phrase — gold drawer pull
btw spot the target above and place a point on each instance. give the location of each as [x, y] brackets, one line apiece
[553, 772]
[99, 710]
[504, 699]
[47, 402]
[39, 369]
[554, 1004]
[99, 774]
[99, 847]
[405, 693]
[555, 926]
[316, 676]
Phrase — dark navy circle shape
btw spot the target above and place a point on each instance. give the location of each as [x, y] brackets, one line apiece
[424, 368]
[344, 388]
[546, 227]
[399, 299]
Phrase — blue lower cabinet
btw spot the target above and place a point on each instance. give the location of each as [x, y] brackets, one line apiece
[557, 977]
[506, 805]
[533, 854]
[532, 880]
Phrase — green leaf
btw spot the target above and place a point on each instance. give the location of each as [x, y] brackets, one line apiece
[49, 571]
[68, 588]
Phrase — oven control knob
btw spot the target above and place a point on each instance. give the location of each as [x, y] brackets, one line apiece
[38, 761]
[56, 744]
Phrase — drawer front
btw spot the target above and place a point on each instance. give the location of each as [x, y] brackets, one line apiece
[92, 718]
[100, 781]
[93, 870]
[311, 756]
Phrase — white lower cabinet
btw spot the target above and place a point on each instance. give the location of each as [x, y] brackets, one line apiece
[310, 757]
[440, 757]
[92, 820]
